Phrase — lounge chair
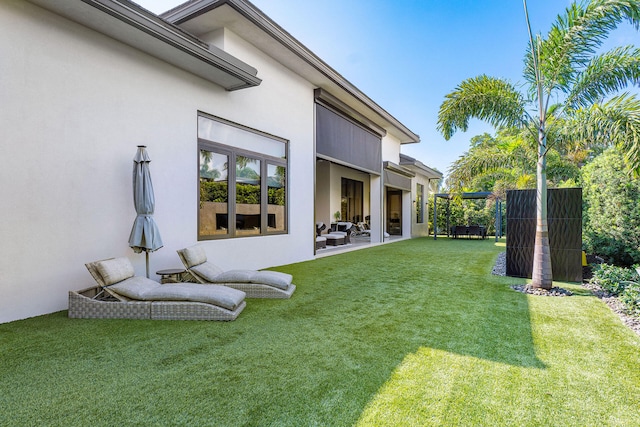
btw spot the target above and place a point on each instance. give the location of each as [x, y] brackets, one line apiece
[321, 241]
[120, 294]
[362, 229]
[256, 284]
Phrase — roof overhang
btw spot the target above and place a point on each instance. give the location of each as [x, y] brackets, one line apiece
[135, 26]
[419, 168]
[390, 166]
[247, 21]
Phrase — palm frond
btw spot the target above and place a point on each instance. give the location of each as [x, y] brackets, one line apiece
[493, 100]
[606, 74]
[620, 116]
[575, 38]
[616, 122]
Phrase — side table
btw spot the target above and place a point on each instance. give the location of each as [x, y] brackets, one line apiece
[171, 275]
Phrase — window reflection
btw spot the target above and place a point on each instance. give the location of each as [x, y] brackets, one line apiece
[248, 220]
[276, 200]
[214, 194]
[242, 173]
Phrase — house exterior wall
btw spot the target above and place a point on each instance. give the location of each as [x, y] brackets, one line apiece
[420, 229]
[390, 149]
[80, 103]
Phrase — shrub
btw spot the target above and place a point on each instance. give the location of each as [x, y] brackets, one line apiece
[611, 225]
[613, 279]
[630, 297]
[211, 191]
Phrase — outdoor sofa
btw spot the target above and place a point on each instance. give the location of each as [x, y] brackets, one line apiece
[122, 295]
[256, 284]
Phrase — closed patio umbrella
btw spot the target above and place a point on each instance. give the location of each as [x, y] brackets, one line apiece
[145, 235]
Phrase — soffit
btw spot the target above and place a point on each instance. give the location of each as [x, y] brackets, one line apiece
[418, 167]
[131, 24]
[245, 20]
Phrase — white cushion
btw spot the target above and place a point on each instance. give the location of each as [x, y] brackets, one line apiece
[115, 270]
[212, 294]
[135, 287]
[194, 255]
[334, 236]
[207, 270]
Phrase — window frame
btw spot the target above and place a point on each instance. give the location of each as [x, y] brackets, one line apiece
[265, 160]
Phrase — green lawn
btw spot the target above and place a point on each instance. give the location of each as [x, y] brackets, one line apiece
[414, 333]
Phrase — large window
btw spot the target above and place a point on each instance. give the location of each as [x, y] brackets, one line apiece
[243, 181]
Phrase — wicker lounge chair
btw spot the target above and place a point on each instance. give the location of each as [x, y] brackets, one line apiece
[121, 295]
[256, 284]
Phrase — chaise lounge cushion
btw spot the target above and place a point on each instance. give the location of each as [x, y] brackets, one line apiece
[194, 255]
[221, 296]
[135, 287]
[271, 278]
[206, 269]
[143, 289]
[114, 270]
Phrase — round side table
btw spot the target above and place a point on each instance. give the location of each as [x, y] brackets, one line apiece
[171, 275]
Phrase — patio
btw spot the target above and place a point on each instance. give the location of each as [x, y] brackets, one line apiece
[395, 333]
[357, 242]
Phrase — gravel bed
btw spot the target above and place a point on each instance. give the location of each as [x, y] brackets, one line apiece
[553, 292]
[633, 322]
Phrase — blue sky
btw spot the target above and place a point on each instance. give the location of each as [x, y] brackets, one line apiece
[408, 54]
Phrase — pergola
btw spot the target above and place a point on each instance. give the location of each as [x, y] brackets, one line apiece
[476, 195]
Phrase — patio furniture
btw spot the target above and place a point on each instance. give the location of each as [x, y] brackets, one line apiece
[362, 229]
[256, 284]
[334, 239]
[459, 230]
[477, 230]
[172, 275]
[468, 231]
[122, 295]
[344, 229]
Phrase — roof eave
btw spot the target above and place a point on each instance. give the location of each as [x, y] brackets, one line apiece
[135, 26]
[419, 167]
[194, 8]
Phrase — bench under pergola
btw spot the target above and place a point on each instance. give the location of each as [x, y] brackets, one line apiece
[474, 195]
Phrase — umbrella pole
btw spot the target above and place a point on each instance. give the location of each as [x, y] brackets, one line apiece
[147, 256]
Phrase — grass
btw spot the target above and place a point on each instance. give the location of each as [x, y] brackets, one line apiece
[412, 333]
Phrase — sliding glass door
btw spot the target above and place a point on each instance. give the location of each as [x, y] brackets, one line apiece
[351, 202]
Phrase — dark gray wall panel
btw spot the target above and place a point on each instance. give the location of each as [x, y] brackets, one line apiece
[565, 232]
[342, 139]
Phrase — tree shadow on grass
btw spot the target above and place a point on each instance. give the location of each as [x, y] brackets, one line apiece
[410, 295]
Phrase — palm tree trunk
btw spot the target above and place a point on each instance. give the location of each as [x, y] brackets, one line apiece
[541, 276]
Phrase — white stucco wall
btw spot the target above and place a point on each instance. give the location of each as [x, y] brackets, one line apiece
[391, 149]
[420, 229]
[75, 104]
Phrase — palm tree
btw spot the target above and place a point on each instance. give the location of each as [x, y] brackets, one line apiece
[507, 161]
[566, 66]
